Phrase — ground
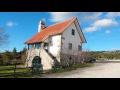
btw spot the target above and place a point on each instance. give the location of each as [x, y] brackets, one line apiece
[100, 69]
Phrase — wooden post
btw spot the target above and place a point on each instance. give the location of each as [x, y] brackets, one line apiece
[15, 70]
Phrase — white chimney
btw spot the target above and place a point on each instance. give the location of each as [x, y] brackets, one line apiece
[41, 26]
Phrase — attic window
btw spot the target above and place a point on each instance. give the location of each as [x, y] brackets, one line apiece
[73, 32]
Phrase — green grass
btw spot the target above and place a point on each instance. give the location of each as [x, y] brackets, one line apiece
[70, 68]
[8, 71]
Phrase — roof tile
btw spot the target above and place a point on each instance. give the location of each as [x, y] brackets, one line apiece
[50, 30]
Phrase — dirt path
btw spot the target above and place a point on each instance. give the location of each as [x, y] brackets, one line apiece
[101, 69]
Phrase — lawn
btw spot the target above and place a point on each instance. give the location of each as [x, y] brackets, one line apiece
[70, 68]
[8, 72]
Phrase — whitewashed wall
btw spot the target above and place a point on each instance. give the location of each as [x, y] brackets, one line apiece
[55, 46]
[69, 38]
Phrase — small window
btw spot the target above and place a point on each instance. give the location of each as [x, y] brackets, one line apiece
[73, 32]
[70, 45]
[79, 48]
[30, 46]
[37, 45]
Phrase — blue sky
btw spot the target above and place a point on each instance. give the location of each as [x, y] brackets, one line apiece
[101, 29]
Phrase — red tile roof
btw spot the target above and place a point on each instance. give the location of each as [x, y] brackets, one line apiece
[50, 30]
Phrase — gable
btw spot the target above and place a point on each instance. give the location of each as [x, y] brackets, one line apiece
[53, 30]
[50, 30]
[69, 38]
[78, 31]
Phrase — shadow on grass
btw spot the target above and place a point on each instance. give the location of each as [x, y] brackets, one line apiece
[8, 72]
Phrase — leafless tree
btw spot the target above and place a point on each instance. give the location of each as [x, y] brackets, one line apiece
[3, 37]
[70, 57]
[85, 54]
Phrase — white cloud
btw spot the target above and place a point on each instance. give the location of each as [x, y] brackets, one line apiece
[90, 16]
[100, 24]
[61, 16]
[82, 16]
[90, 29]
[112, 14]
[11, 24]
[105, 23]
[87, 17]
[107, 31]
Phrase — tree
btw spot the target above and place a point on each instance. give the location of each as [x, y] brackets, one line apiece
[14, 51]
[7, 57]
[85, 54]
[23, 54]
[3, 37]
[24, 50]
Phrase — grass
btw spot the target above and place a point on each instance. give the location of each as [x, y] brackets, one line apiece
[70, 68]
[8, 71]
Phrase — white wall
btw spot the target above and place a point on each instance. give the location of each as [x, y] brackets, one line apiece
[69, 38]
[55, 46]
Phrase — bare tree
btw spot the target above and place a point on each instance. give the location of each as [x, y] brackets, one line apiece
[3, 37]
[70, 57]
[86, 54]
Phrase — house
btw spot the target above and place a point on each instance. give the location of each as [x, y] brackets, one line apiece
[56, 45]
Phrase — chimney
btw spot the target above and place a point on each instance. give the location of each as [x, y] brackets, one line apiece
[41, 26]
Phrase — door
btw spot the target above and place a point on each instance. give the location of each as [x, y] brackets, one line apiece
[36, 61]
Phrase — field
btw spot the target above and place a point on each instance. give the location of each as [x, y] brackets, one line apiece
[8, 72]
[21, 72]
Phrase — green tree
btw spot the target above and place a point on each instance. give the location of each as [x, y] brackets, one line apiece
[1, 60]
[14, 51]
[23, 54]
[7, 57]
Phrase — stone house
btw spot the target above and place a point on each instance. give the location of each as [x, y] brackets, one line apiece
[56, 45]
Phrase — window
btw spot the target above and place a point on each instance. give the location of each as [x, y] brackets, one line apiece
[37, 45]
[70, 45]
[30, 46]
[79, 48]
[73, 32]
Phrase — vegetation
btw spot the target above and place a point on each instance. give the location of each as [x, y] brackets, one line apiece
[105, 55]
[101, 55]
[8, 72]
[8, 57]
[3, 37]
[70, 68]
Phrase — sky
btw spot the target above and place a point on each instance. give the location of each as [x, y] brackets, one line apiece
[101, 29]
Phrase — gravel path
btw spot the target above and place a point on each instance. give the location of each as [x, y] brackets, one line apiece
[101, 69]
